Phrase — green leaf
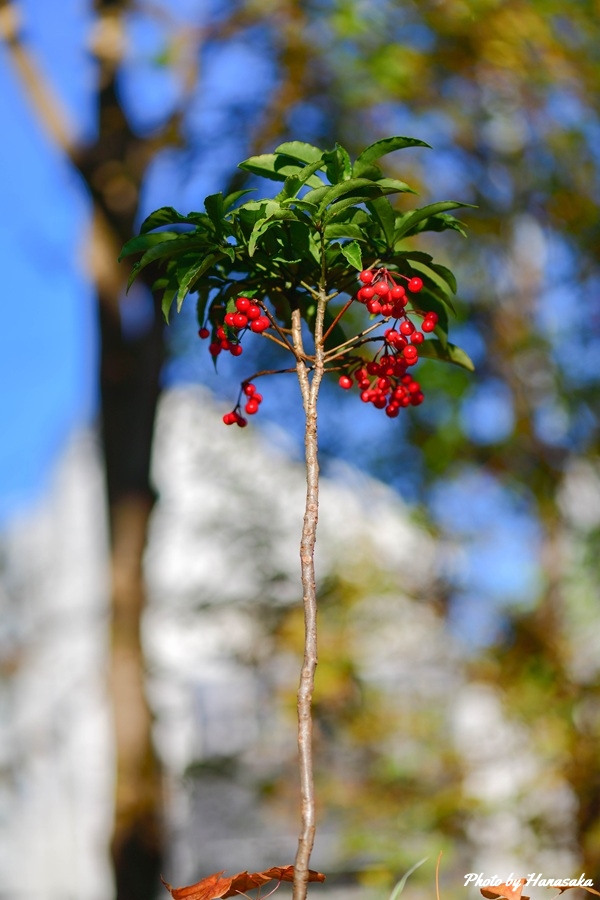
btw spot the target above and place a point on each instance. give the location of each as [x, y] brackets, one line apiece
[346, 230]
[300, 204]
[353, 254]
[433, 349]
[184, 244]
[301, 151]
[231, 199]
[166, 215]
[293, 183]
[441, 222]
[382, 211]
[339, 165]
[333, 193]
[393, 186]
[399, 887]
[380, 148]
[409, 219]
[263, 225]
[215, 208]
[195, 272]
[341, 206]
[144, 242]
[275, 167]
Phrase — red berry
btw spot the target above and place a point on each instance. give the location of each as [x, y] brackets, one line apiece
[366, 293]
[410, 352]
[251, 406]
[382, 288]
[380, 401]
[374, 307]
[214, 349]
[417, 338]
[242, 304]
[240, 320]
[240, 420]
[365, 396]
[236, 349]
[253, 311]
[398, 292]
[260, 324]
[204, 333]
[415, 284]
[392, 410]
[249, 389]
[258, 397]
[229, 317]
[366, 277]
[229, 418]
[417, 399]
[386, 309]
[225, 344]
[407, 327]
[345, 382]
[221, 333]
[428, 325]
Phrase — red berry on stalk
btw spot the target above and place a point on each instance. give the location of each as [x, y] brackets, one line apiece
[415, 284]
[240, 320]
[240, 420]
[345, 382]
[392, 410]
[417, 338]
[229, 418]
[242, 304]
[410, 353]
[260, 324]
[398, 292]
[428, 324]
[366, 277]
[203, 333]
[407, 327]
[366, 293]
[249, 389]
[382, 288]
[374, 307]
[251, 406]
[236, 349]
[214, 349]
[417, 399]
[253, 311]
[229, 317]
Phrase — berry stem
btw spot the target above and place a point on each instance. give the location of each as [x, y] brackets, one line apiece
[309, 388]
[337, 318]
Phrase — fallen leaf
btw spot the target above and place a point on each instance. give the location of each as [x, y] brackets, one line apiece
[214, 887]
[510, 891]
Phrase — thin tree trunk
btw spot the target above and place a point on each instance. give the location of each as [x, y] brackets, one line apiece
[310, 391]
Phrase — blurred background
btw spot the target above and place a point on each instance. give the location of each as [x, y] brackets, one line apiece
[150, 636]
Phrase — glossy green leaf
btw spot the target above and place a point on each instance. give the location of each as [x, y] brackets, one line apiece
[381, 148]
[170, 249]
[144, 242]
[166, 215]
[215, 209]
[361, 185]
[384, 215]
[341, 206]
[306, 153]
[346, 230]
[433, 349]
[410, 219]
[393, 186]
[353, 254]
[275, 167]
[195, 272]
[293, 183]
[231, 199]
[339, 164]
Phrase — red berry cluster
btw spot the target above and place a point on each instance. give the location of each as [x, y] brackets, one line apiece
[253, 401]
[384, 382]
[247, 316]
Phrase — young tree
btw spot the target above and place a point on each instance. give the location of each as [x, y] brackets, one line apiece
[285, 269]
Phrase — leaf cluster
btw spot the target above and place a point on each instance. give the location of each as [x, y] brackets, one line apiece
[331, 218]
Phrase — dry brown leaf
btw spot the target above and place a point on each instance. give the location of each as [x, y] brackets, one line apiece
[510, 891]
[214, 887]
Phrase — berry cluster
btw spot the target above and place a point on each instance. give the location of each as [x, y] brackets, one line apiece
[253, 401]
[247, 316]
[384, 382]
